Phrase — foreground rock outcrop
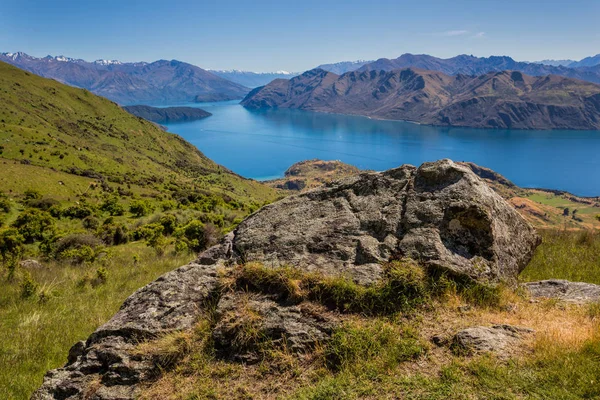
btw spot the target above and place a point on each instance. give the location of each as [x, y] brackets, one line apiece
[500, 339]
[440, 214]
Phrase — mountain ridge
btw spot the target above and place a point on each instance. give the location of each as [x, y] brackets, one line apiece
[508, 99]
[158, 82]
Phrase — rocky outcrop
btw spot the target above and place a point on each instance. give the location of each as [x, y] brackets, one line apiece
[165, 115]
[500, 339]
[441, 214]
[572, 292]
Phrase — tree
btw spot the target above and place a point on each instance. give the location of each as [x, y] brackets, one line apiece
[140, 208]
[34, 224]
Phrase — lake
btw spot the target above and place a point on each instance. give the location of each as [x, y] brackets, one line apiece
[263, 144]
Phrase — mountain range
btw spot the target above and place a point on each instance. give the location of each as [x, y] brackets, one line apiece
[507, 99]
[159, 82]
[253, 79]
[587, 69]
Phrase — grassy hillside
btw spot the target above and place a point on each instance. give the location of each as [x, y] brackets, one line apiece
[48, 124]
[106, 202]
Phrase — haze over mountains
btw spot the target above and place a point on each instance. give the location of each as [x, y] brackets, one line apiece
[507, 99]
[159, 82]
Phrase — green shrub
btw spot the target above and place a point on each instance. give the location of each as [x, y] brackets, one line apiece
[91, 223]
[101, 276]
[140, 208]
[78, 255]
[168, 205]
[169, 223]
[31, 194]
[5, 205]
[112, 206]
[11, 245]
[112, 234]
[77, 247]
[45, 203]
[78, 211]
[34, 224]
[29, 286]
[198, 236]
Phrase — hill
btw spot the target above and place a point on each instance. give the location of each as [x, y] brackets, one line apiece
[309, 174]
[167, 114]
[159, 82]
[508, 99]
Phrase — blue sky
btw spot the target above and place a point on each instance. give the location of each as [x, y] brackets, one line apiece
[262, 35]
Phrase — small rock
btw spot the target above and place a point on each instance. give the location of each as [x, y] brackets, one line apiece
[31, 264]
[571, 292]
[500, 339]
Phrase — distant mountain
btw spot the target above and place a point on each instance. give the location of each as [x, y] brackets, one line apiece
[253, 79]
[167, 114]
[159, 82]
[507, 99]
[586, 62]
[344, 66]
[555, 63]
[470, 65]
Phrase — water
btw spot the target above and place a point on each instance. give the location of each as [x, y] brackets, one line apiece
[263, 144]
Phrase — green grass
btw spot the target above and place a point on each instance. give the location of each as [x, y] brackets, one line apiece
[571, 255]
[36, 335]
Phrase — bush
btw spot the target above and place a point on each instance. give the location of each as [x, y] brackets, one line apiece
[32, 194]
[78, 255]
[112, 234]
[34, 225]
[11, 245]
[91, 223]
[76, 241]
[199, 236]
[78, 211]
[29, 286]
[112, 206]
[5, 205]
[43, 204]
[169, 223]
[140, 208]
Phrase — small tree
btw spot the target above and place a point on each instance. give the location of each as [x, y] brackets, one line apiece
[566, 212]
[34, 224]
[140, 208]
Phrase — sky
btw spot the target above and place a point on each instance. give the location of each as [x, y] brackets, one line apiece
[261, 35]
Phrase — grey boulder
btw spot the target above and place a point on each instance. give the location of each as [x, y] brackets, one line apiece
[571, 292]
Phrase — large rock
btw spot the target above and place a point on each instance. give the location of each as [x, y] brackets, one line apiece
[441, 214]
[571, 292]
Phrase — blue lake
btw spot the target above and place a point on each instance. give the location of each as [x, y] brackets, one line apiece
[263, 144]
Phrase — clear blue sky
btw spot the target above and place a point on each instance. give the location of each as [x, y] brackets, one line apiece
[262, 35]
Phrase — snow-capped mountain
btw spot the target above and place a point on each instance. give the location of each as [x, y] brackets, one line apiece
[160, 82]
[342, 67]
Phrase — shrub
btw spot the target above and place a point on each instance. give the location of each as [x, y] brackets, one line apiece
[78, 255]
[101, 277]
[34, 224]
[31, 194]
[78, 211]
[43, 204]
[91, 223]
[140, 208]
[76, 241]
[29, 286]
[199, 236]
[168, 205]
[169, 223]
[5, 205]
[112, 234]
[112, 206]
[11, 245]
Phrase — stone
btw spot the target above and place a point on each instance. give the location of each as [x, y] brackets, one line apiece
[441, 214]
[31, 264]
[500, 339]
[571, 292]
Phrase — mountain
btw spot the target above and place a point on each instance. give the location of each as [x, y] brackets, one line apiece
[159, 82]
[253, 79]
[167, 114]
[507, 99]
[470, 65]
[51, 127]
[586, 62]
[555, 63]
[343, 66]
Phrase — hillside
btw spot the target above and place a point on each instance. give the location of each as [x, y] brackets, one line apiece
[253, 79]
[507, 99]
[159, 82]
[167, 114]
[309, 174]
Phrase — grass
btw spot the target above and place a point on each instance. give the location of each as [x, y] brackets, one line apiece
[37, 332]
[571, 255]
